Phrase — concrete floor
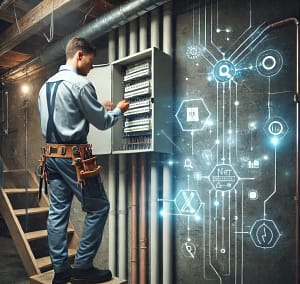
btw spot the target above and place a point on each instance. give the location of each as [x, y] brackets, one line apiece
[11, 267]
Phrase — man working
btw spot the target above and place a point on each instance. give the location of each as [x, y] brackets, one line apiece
[67, 104]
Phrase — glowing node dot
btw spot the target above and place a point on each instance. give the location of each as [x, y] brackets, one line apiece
[186, 78]
[218, 30]
[236, 103]
[222, 250]
[197, 218]
[266, 157]
[274, 141]
[162, 213]
[170, 163]
[188, 239]
[217, 142]
[216, 203]
[252, 194]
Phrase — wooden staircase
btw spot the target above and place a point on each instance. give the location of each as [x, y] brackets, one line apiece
[26, 218]
[28, 227]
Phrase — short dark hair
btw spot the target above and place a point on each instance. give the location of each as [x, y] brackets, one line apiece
[76, 44]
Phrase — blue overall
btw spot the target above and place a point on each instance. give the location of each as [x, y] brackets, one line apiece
[67, 104]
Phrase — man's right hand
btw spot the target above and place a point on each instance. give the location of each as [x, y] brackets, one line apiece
[123, 105]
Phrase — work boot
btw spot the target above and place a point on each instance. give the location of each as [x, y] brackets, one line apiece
[90, 275]
[62, 277]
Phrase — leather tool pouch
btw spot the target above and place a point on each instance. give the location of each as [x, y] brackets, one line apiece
[85, 164]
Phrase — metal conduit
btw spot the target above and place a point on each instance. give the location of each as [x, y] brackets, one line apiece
[112, 222]
[93, 30]
[167, 171]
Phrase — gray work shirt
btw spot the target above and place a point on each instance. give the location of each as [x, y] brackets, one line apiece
[76, 106]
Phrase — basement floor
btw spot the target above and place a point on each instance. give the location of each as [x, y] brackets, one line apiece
[11, 267]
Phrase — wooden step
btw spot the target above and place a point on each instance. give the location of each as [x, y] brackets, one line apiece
[35, 235]
[31, 211]
[20, 190]
[46, 278]
[45, 262]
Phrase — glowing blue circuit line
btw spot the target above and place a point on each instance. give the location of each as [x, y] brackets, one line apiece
[235, 237]
[249, 45]
[230, 57]
[242, 261]
[275, 180]
[229, 234]
[205, 25]
[223, 221]
[223, 120]
[188, 228]
[217, 123]
[170, 140]
[283, 92]
[199, 23]
[211, 31]
[269, 97]
[236, 119]
[216, 225]
[192, 134]
[229, 123]
[209, 242]
[250, 50]
[205, 50]
[193, 19]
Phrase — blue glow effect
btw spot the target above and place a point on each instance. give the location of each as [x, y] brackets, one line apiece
[275, 141]
[197, 218]
[216, 203]
[162, 213]
[224, 70]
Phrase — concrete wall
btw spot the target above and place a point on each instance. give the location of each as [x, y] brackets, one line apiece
[226, 115]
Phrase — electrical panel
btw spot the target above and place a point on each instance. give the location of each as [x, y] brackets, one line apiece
[145, 80]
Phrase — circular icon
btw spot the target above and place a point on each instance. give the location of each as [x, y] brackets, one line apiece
[189, 249]
[193, 52]
[269, 63]
[224, 71]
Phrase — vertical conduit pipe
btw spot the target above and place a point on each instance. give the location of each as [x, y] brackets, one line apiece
[143, 223]
[143, 32]
[122, 243]
[154, 181]
[134, 213]
[143, 195]
[112, 241]
[134, 248]
[167, 172]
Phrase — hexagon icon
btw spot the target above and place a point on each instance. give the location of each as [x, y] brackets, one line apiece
[223, 177]
[264, 233]
[192, 115]
[188, 202]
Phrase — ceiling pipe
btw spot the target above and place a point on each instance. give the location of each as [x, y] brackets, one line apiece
[93, 30]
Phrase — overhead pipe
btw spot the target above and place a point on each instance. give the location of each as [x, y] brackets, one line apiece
[93, 30]
[167, 170]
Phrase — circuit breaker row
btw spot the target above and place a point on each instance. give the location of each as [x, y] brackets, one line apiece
[137, 128]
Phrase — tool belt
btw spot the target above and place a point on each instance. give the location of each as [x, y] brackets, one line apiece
[82, 159]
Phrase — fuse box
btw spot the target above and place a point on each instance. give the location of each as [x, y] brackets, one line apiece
[145, 80]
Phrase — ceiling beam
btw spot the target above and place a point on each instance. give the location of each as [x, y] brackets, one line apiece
[34, 21]
[4, 4]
